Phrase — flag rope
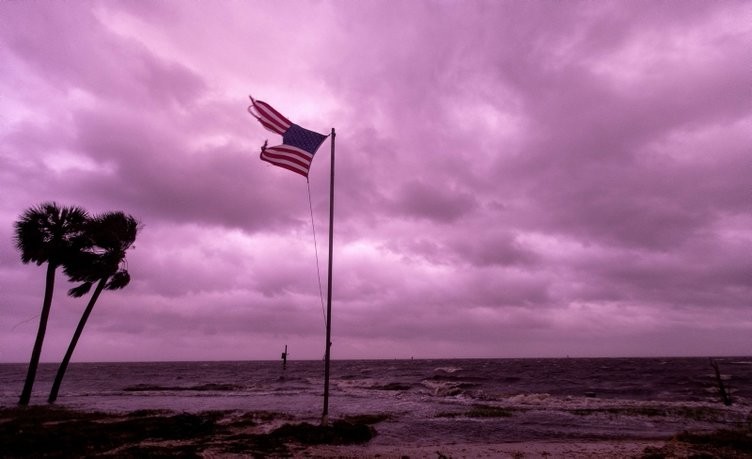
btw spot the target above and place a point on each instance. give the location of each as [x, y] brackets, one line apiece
[316, 250]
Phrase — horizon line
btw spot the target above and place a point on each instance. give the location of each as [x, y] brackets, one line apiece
[380, 359]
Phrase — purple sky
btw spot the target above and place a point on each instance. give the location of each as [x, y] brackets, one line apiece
[514, 179]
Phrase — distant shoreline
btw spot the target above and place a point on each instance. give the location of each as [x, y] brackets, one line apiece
[406, 359]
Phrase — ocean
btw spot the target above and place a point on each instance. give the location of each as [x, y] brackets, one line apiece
[428, 401]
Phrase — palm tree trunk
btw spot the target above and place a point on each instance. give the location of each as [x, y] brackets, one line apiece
[37, 351]
[69, 353]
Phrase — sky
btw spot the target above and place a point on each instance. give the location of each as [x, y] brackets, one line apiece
[513, 178]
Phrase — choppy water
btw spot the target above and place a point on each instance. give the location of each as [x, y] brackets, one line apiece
[427, 400]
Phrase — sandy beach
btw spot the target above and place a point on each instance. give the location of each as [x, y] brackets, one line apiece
[58, 432]
[542, 449]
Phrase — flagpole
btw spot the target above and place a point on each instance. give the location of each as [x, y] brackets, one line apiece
[327, 355]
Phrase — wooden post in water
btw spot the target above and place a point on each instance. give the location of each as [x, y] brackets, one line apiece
[327, 354]
[721, 387]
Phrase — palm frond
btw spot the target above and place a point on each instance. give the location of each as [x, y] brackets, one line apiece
[119, 280]
[49, 232]
[108, 236]
[114, 231]
[81, 290]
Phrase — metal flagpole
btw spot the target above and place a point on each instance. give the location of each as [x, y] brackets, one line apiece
[325, 414]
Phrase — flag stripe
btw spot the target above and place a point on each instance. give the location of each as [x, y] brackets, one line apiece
[272, 117]
[273, 124]
[288, 157]
[290, 167]
[281, 153]
[295, 169]
[274, 113]
[269, 126]
[267, 112]
[286, 163]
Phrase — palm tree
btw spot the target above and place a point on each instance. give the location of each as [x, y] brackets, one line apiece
[110, 235]
[47, 234]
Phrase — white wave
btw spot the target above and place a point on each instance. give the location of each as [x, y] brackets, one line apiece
[547, 402]
[449, 370]
[363, 383]
[442, 388]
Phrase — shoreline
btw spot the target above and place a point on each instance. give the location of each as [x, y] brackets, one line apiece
[57, 431]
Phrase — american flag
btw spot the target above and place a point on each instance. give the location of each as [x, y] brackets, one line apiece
[298, 144]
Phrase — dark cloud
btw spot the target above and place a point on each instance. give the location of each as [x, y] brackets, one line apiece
[433, 201]
[513, 179]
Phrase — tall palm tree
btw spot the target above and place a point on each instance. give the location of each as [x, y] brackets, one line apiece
[110, 235]
[48, 234]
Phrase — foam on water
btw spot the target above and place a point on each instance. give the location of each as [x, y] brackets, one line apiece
[538, 398]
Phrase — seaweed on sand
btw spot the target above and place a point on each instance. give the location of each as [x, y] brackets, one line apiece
[58, 432]
[338, 433]
[45, 431]
[278, 441]
[737, 440]
[724, 443]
